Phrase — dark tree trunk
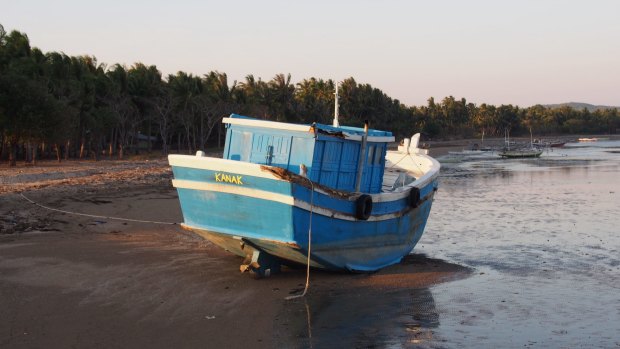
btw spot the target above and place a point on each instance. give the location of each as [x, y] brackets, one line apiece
[57, 148]
[2, 149]
[189, 142]
[89, 148]
[13, 154]
[27, 153]
[97, 149]
[34, 154]
[82, 148]
[67, 147]
[150, 146]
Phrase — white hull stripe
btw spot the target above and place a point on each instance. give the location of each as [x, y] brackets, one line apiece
[220, 165]
[339, 215]
[229, 189]
[275, 197]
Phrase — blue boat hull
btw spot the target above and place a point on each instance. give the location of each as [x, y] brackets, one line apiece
[337, 245]
[262, 209]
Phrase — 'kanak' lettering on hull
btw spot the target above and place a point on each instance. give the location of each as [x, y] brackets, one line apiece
[226, 178]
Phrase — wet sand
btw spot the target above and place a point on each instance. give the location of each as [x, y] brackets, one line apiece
[516, 253]
[76, 281]
[542, 236]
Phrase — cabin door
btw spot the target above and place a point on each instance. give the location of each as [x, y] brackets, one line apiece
[271, 150]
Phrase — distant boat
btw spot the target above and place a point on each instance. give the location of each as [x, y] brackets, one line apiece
[333, 196]
[539, 143]
[520, 153]
[474, 150]
[585, 139]
[481, 147]
[467, 152]
[531, 152]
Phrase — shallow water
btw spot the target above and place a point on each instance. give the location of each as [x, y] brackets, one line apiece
[543, 239]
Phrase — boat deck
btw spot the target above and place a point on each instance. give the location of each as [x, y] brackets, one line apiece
[390, 176]
[402, 169]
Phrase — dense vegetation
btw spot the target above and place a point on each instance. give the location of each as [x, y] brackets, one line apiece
[54, 105]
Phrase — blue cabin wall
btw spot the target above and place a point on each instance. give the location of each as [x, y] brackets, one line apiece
[372, 179]
[335, 164]
[331, 161]
[272, 147]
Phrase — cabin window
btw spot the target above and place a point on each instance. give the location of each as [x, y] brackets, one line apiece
[371, 153]
[378, 155]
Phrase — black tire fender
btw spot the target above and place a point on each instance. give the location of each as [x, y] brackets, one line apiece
[363, 207]
[414, 197]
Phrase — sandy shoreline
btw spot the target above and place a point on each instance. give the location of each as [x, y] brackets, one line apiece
[80, 281]
[68, 280]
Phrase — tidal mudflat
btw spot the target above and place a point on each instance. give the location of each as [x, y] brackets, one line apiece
[543, 236]
[540, 241]
[517, 253]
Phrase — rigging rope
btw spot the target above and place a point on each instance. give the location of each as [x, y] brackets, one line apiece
[309, 247]
[415, 163]
[92, 215]
[401, 159]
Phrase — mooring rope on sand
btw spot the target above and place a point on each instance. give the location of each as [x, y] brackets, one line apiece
[92, 215]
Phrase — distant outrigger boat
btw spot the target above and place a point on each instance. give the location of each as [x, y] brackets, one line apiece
[283, 191]
[520, 153]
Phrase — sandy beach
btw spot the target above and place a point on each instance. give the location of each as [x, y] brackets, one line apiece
[509, 251]
[70, 280]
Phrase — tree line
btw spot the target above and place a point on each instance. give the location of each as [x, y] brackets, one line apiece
[57, 106]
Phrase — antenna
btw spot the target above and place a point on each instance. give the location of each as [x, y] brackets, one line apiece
[336, 123]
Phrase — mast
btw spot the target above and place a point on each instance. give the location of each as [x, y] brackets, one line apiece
[362, 159]
[508, 134]
[507, 138]
[336, 123]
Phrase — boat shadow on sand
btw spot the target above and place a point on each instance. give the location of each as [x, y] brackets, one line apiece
[394, 306]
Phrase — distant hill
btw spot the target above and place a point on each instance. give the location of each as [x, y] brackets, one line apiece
[579, 106]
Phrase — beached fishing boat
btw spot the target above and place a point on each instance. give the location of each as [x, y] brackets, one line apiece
[284, 191]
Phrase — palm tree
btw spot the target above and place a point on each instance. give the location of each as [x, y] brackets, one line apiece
[315, 99]
[122, 106]
[281, 93]
[143, 86]
[186, 89]
[164, 108]
[254, 94]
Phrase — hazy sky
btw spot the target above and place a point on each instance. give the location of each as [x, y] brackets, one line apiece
[499, 52]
